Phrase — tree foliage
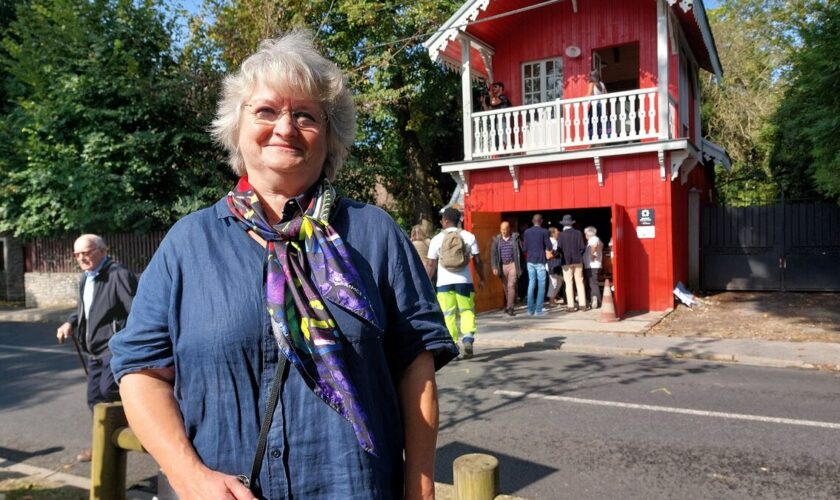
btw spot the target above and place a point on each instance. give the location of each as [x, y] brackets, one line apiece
[99, 131]
[758, 43]
[807, 144]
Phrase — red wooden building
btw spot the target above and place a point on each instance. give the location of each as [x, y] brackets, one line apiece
[631, 162]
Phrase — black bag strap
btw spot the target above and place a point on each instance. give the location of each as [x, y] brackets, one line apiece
[270, 406]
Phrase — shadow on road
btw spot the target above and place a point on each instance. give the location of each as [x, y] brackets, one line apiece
[20, 456]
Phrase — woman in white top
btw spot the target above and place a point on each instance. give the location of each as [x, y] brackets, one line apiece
[596, 110]
[592, 257]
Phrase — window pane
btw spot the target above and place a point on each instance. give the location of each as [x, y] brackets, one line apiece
[527, 69]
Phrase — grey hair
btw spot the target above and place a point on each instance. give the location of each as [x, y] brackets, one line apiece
[98, 241]
[292, 65]
[590, 230]
[418, 233]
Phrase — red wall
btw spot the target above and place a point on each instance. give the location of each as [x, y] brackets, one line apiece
[597, 24]
[632, 182]
[699, 178]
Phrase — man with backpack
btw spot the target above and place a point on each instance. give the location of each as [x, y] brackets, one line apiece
[449, 255]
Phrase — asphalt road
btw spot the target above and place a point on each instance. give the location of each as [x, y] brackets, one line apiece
[579, 426]
[563, 425]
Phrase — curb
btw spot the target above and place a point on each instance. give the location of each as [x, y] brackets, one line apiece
[45, 315]
[658, 352]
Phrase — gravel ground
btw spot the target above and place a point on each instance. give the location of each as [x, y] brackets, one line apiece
[784, 316]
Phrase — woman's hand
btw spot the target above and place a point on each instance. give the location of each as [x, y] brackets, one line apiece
[209, 484]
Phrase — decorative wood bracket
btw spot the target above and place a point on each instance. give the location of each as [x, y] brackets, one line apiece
[686, 5]
[599, 170]
[514, 172]
[462, 177]
[574, 6]
[661, 156]
[677, 159]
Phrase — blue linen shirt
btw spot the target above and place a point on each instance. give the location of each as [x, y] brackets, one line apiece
[201, 307]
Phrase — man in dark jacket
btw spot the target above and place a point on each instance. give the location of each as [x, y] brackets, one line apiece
[570, 243]
[106, 291]
[505, 255]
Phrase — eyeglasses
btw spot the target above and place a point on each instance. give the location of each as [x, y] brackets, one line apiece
[85, 253]
[302, 119]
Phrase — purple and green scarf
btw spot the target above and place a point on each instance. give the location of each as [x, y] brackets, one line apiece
[307, 264]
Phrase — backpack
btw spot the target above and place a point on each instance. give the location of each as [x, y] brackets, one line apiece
[453, 251]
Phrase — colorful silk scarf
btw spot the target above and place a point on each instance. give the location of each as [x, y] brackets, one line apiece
[307, 264]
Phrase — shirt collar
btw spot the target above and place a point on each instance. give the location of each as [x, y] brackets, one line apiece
[95, 272]
[293, 207]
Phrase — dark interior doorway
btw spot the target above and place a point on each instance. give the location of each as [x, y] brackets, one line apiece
[619, 66]
[600, 218]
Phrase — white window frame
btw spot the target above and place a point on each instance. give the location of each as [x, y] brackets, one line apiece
[543, 78]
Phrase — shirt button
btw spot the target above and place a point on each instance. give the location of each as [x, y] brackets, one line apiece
[275, 453]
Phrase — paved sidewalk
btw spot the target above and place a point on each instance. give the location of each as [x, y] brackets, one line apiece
[49, 314]
[581, 332]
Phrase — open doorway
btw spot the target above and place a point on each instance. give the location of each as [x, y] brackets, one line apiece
[599, 217]
[619, 66]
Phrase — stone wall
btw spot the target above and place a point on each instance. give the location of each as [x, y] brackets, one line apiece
[52, 289]
[11, 277]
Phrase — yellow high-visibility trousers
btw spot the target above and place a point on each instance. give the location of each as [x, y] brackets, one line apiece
[458, 303]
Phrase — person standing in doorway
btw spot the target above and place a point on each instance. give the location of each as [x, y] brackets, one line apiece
[571, 244]
[592, 264]
[554, 268]
[537, 252]
[449, 253]
[505, 256]
[106, 292]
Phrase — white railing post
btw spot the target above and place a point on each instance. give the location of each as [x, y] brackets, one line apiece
[466, 97]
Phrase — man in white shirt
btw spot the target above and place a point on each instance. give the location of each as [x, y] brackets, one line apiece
[455, 290]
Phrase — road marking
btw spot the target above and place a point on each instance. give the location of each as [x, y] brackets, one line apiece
[36, 349]
[48, 474]
[666, 409]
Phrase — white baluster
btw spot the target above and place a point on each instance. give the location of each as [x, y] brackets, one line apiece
[476, 137]
[566, 125]
[652, 114]
[485, 136]
[634, 129]
[493, 134]
[514, 123]
[612, 130]
[577, 121]
[643, 125]
[622, 117]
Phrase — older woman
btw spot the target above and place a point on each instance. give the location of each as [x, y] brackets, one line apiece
[420, 242]
[284, 291]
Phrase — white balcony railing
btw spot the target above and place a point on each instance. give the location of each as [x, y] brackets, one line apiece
[559, 124]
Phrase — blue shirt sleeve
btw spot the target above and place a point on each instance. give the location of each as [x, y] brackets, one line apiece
[145, 342]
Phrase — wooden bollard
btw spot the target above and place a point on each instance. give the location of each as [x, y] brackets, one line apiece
[476, 477]
[108, 461]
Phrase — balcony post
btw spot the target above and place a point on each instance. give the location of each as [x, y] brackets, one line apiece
[662, 68]
[466, 96]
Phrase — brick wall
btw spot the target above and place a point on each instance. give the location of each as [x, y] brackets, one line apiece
[52, 289]
[11, 277]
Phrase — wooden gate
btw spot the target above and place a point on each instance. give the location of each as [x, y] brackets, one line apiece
[485, 225]
[785, 247]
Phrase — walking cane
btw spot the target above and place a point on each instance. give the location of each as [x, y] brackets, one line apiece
[79, 352]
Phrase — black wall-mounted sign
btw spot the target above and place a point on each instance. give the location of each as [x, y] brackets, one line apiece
[645, 217]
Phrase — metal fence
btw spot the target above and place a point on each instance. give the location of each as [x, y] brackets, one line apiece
[55, 255]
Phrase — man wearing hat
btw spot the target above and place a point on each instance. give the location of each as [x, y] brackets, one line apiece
[570, 242]
[455, 290]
